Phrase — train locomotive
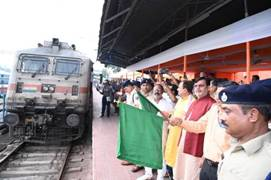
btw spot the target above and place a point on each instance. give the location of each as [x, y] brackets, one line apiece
[49, 94]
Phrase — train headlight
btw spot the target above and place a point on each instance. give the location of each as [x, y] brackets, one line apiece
[73, 120]
[51, 88]
[11, 119]
[48, 88]
[45, 88]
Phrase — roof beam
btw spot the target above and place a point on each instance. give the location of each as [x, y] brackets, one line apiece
[103, 22]
[201, 2]
[117, 15]
[194, 21]
[117, 61]
[111, 32]
[124, 22]
[106, 43]
[171, 16]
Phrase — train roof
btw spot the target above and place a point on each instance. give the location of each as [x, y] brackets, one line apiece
[61, 49]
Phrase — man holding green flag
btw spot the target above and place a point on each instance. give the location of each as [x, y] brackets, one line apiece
[140, 134]
[139, 137]
[164, 105]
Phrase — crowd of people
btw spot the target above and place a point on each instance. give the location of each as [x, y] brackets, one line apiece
[213, 128]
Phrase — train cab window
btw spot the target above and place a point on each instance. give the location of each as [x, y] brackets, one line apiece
[33, 64]
[67, 67]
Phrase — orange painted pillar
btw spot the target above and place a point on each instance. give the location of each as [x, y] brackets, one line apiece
[158, 75]
[142, 72]
[233, 76]
[248, 62]
[184, 66]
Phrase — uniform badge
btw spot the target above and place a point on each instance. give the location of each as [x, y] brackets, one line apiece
[224, 97]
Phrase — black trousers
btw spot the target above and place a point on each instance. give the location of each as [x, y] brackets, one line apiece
[208, 172]
[170, 172]
[105, 105]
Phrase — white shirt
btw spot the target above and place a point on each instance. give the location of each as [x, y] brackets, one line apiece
[163, 105]
[166, 97]
[132, 98]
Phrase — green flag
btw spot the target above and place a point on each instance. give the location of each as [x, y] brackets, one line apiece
[147, 105]
[140, 137]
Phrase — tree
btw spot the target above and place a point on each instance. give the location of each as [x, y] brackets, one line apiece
[115, 69]
[105, 73]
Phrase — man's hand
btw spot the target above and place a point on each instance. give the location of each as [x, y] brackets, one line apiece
[165, 115]
[175, 121]
[201, 162]
[164, 85]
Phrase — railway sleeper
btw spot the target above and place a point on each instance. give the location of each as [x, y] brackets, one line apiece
[44, 148]
[73, 169]
[7, 174]
[73, 160]
[31, 177]
[32, 155]
[29, 168]
[33, 163]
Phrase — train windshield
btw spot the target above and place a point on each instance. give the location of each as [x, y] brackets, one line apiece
[33, 64]
[67, 67]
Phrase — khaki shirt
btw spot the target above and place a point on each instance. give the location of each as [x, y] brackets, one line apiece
[248, 161]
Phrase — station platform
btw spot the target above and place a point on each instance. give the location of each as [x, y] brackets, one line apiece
[106, 166]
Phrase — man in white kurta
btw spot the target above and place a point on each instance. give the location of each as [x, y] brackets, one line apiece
[165, 106]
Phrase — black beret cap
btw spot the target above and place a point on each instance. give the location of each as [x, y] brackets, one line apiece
[147, 81]
[258, 93]
[127, 83]
[136, 83]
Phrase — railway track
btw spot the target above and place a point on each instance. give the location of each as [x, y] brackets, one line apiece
[37, 162]
[9, 149]
[79, 163]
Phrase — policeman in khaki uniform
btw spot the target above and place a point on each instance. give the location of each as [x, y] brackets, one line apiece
[244, 113]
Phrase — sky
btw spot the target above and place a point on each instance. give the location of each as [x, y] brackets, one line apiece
[25, 23]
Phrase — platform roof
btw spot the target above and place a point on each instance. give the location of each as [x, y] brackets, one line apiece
[221, 50]
[133, 31]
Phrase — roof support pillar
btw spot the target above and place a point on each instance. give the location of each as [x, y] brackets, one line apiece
[248, 62]
[184, 64]
[184, 67]
[158, 75]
